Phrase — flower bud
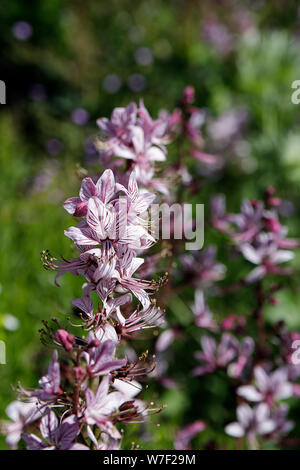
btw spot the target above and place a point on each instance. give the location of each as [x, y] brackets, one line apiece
[273, 225]
[94, 343]
[189, 95]
[78, 373]
[270, 191]
[228, 322]
[274, 201]
[65, 339]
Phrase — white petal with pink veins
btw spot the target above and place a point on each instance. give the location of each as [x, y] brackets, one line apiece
[71, 204]
[106, 186]
[81, 236]
[87, 190]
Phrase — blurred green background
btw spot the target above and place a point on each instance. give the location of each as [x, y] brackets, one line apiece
[66, 63]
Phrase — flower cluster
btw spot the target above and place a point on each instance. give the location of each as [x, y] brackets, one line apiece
[83, 397]
[108, 238]
[257, 233]
[259, 366]
[255, 357]
[132, 134]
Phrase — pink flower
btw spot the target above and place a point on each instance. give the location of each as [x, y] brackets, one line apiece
[267, 256]
[246, 347]
[57, 437]
[251, 421]
[269, 387]
[104, 189]
[21, 414]
[108, 273]
[120, 124]
[100, 360]
[114, 222]
[109, 235]
[142, 152]
[213, 356]
[248, 222]
[137, 137]
[259, 236]
[101, 406]
[155, 130]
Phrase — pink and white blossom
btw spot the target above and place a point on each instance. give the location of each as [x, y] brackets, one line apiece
[252, 422]
[269, 387]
